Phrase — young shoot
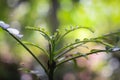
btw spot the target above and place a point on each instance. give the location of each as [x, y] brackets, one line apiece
[56, 56]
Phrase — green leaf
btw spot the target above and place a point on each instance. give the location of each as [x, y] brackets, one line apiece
[71, 30]
[81, 55]
[66, 29]
[30, 52]
[66, 50]
[94, 50]
[72, 46]
[35, 45]
[56, 35]
[105, 43]
[41, 30]
[85, 39]
[77, 40]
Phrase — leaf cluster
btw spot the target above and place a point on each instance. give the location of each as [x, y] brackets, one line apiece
[57, 56]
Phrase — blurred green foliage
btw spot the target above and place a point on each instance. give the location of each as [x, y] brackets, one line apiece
[100, 15]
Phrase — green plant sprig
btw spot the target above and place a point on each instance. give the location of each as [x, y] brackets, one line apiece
[20, 42]
[41, 30]
[35, 45]
[81, 55]
[71, 30]
[72, 46]
[108, 35]
[55, 54]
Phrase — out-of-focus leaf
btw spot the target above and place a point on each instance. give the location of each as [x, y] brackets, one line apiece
[77, 40]
[85, 39]
[115, 49]
[26, 70]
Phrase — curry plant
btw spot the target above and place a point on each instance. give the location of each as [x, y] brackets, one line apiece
[56, 56]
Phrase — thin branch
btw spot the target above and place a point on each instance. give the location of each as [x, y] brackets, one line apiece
[71, 31]
[81, 55]
[61, 54]
[74, 45]
[35, 45]
[44, 34]
[77, 44]
[64, 48]
[106, 35]
[28, 51]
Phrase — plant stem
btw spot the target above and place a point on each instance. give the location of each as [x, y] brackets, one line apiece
[28, 51]
[51, 62]
[67, 32]
[82, 55]
[51, 71]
